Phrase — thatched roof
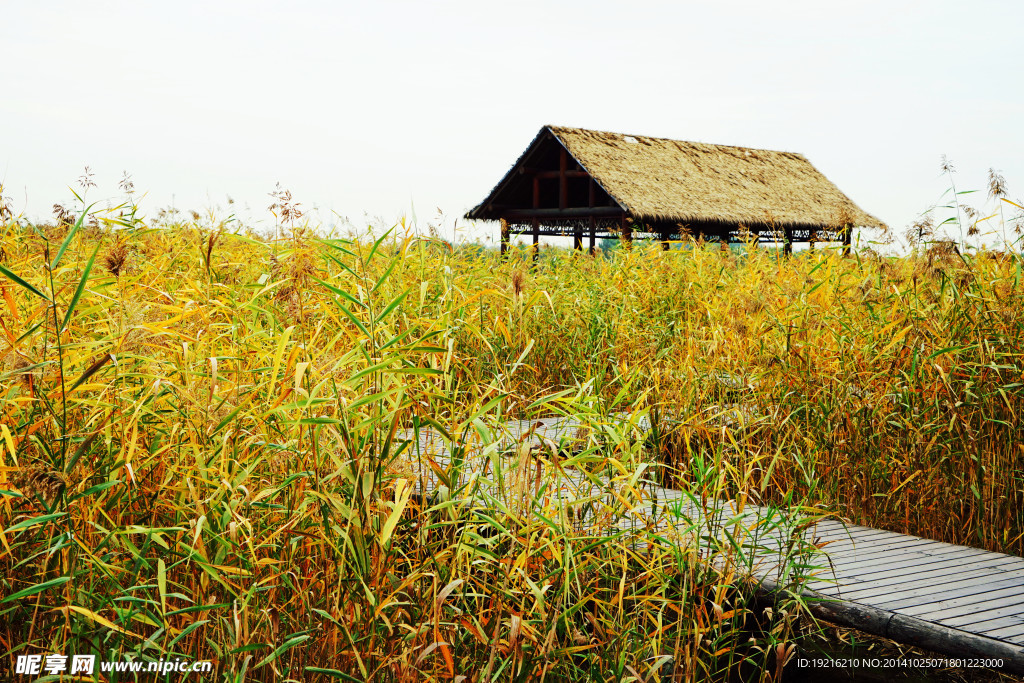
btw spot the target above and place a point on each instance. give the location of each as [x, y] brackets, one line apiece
[656, 179]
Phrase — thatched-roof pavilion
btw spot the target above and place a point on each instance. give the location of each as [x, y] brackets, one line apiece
[572, 181]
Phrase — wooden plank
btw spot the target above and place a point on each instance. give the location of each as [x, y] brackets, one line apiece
[1004, 626]
[848, 534]
[856, 535]
[884, 562]
[876, 556]
[883, 571]
[951, 606]
[832, 587]
[946, 564]
[1003, 600]
[827, 526]
[848, 565]
[980, 617]
[931, 586]
[1013, 631]
[830, 529]
[866, 550]
[938, 548]
[852, 588]
[902, 538]
[933, 594]
[882, 585]
[880, 537]
[870, 550]
[973, 551]
[833, 528]
[868, 546]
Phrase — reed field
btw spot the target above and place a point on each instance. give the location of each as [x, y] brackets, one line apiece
[203, 450]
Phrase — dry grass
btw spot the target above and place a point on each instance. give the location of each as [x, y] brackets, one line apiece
[212, 470]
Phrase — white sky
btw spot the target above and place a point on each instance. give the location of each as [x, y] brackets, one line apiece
[370, 108]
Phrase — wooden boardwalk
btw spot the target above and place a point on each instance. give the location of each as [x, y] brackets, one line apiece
[952, 600]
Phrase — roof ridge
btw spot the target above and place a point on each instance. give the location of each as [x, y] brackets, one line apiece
[553, 128]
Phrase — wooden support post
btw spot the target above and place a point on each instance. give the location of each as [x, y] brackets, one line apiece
[563, 198]
[664, 240]
[592, 222]
[536, 239]
[563, 182]
[535, 222]
[788, 248]
[504, 236]
[847, 237]
[723, 240]
[626, 233]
